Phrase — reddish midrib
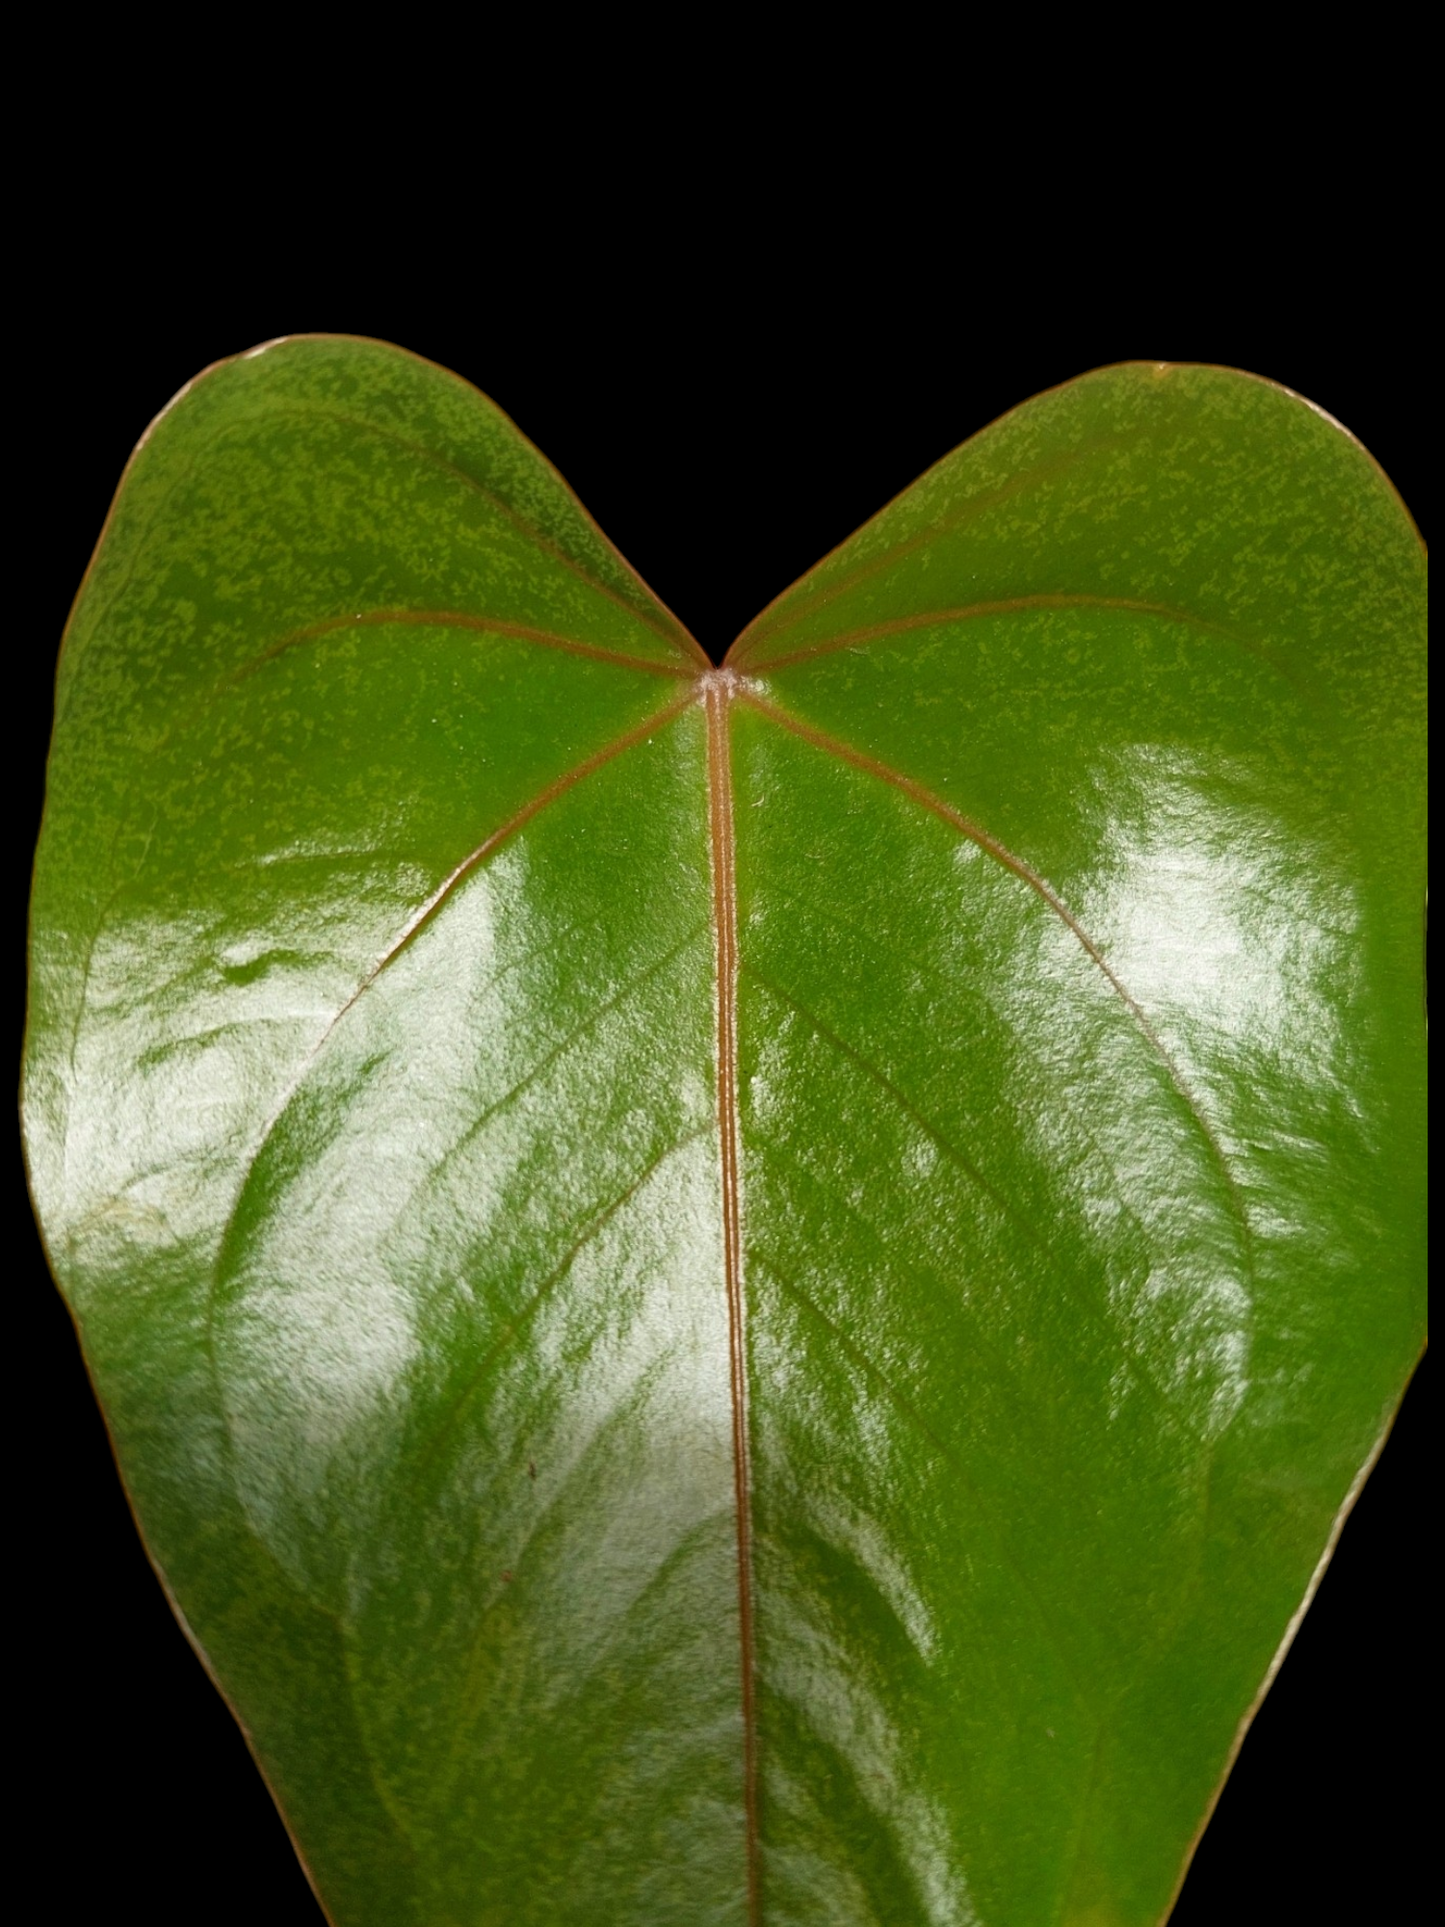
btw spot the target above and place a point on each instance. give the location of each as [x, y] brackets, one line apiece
[724, 882]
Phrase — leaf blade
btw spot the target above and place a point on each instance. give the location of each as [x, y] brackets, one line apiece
[1095, 745]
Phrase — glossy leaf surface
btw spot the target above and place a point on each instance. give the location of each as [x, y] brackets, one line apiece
[740, 1296]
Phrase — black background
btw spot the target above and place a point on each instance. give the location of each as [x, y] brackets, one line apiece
[727, 414]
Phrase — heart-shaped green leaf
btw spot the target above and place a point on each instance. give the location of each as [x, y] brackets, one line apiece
[746, 1295]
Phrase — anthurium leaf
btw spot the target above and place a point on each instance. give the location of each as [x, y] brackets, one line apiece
[744, 1295]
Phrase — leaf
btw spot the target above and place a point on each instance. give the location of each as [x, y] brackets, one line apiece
[746, 1295]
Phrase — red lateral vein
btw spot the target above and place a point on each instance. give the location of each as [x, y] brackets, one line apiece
[724, 882]
[424, 912]
[975, 506]
[956, 820]
[965, 826]
[524, 525]
[460, 619]
[1009, 605]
